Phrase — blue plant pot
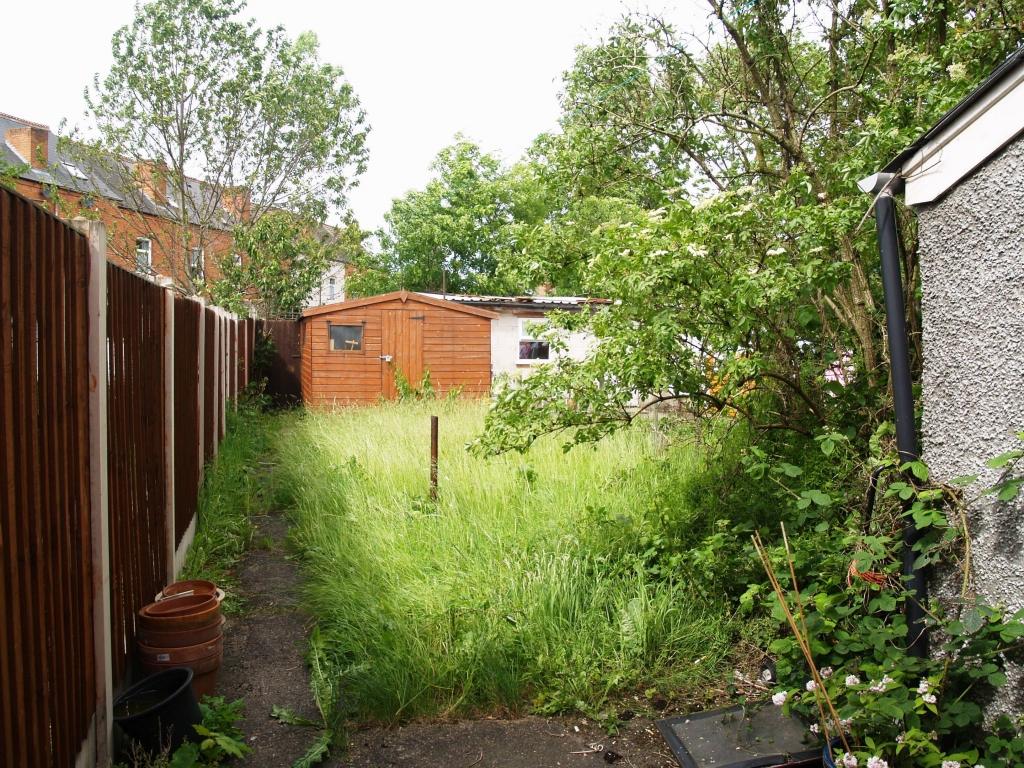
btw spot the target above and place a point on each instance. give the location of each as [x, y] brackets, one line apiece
[828, 759]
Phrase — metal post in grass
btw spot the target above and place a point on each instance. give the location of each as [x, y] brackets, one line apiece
[433, 458]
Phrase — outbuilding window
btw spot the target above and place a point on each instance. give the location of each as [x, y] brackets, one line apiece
[346, 338]
[530, 347]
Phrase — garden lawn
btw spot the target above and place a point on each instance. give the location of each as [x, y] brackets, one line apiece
[524, 585]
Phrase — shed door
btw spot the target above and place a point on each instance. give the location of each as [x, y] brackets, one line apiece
[402, 342]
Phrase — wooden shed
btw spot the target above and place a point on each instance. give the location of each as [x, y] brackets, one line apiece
[353, 350]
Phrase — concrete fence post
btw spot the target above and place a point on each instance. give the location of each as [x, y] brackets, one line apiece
[169, 501]
[96, 234]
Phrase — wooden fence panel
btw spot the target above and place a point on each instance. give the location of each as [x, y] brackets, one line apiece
[283, 369]
[186, 413]
[47, 678]
[135, 434]
[209, 385]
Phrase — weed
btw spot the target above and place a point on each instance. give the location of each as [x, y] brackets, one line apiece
[527, 581]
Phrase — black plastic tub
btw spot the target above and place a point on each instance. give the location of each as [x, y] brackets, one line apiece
[159, 712]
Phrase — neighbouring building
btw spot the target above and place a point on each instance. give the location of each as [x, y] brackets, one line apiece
[965, 177]
[138, 206]
[353, 351]
[516, 343]
[331, 289]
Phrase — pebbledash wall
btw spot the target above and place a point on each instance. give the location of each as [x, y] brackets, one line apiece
[972, 275]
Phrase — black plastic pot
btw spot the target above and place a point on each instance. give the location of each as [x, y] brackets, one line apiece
[160, 711]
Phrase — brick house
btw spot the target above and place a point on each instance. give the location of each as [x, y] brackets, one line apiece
[144, 230]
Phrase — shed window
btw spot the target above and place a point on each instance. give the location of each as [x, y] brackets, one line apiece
[530, 347]
[346, 338]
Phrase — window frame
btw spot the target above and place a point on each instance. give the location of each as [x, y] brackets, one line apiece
[330, 288]
[362, 336]
[147, 266]
[524, 336]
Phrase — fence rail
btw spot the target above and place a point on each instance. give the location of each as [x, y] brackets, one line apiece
[114, 395]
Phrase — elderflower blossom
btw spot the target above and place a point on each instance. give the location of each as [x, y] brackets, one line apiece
[811, 685]
[825, 672]
[877, 762]
[929, 698]
[851, 680]
[780, 698]
[950, 764]
[849, 761]
[880, 686]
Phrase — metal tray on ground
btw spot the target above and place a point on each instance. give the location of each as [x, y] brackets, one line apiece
[741, 737]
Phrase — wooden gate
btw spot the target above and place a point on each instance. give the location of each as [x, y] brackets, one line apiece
[401, 349]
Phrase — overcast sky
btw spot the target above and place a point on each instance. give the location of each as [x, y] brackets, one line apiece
[424, 70]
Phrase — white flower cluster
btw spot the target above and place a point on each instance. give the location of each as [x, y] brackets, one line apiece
[811, 685]
[814, 728]
[852, 680]
[825, 672]
[849, 761]
[780, 698]
[950, 764]
[880, 686]
[877, 762]
[929, 698]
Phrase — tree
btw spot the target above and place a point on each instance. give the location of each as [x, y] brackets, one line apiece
[286, 259]
[265, 125]
[746, 279]
[457, 232]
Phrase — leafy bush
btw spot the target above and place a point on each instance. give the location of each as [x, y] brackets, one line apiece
[892, 707]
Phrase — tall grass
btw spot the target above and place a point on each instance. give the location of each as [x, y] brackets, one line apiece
[525, 583]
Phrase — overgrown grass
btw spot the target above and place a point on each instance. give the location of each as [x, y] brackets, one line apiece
[232, 492]
[533, 580]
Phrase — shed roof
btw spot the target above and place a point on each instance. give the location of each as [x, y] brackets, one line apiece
[536, 302]
[341, 306]
[985, 121]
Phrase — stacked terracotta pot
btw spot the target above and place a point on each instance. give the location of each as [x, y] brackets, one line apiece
[184, 628]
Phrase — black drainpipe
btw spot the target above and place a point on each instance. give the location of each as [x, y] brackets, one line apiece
[915, 580]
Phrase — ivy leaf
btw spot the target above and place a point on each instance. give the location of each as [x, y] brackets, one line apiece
[973, 621]
[819, 498]
[1011, 631]
[965, 480]
[316, 753]
[997, 679]
[1003, 459]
